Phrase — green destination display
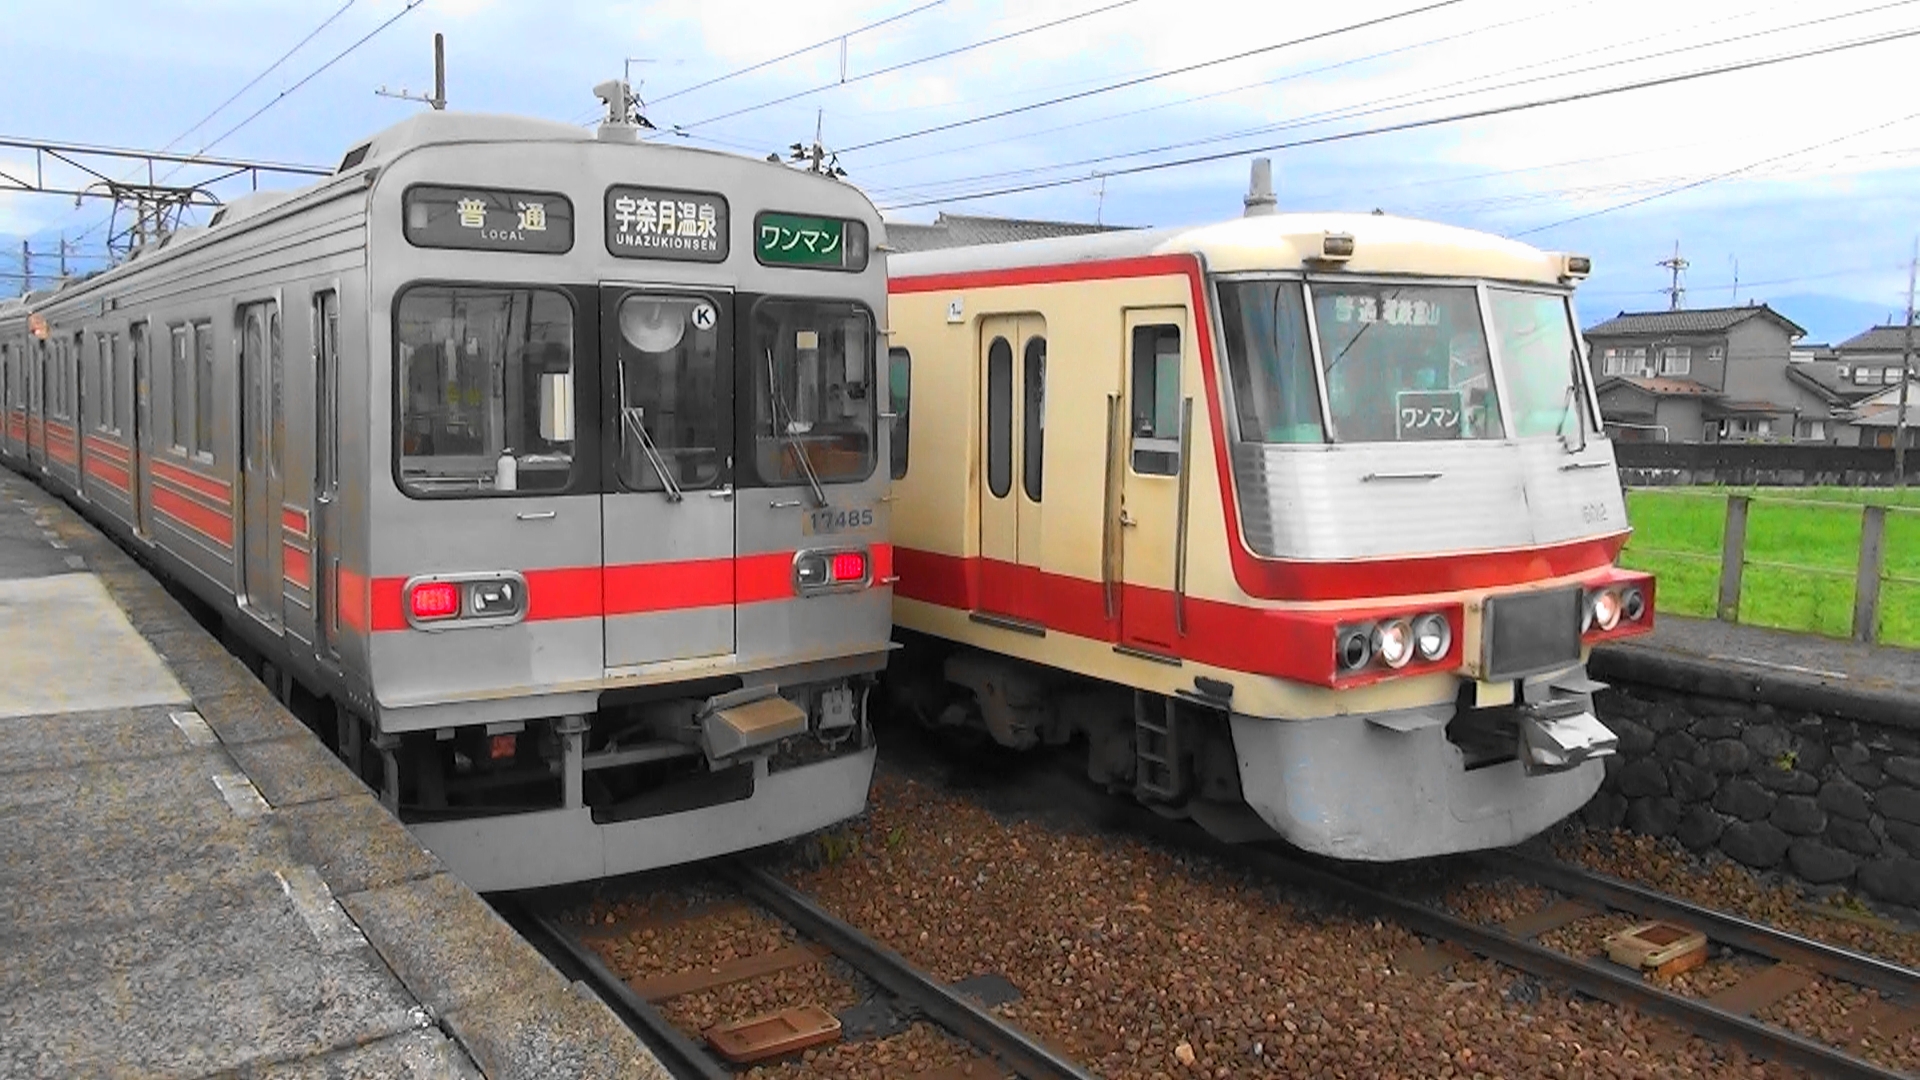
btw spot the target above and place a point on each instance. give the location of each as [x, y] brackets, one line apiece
[820, 243]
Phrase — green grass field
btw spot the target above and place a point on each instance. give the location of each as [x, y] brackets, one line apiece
[1803, 545]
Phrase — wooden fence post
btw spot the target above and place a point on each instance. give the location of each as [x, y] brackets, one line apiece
[1866, 581]
[1733, 558]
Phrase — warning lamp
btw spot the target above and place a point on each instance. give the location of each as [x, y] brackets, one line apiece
[502, 747]
[849, 566]
[434, 600]
[829, 571]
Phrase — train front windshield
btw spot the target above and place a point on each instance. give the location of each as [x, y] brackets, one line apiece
[1399, 362]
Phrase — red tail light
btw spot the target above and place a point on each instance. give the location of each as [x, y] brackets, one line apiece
[501, 747]
[435, 600]
[849, 566]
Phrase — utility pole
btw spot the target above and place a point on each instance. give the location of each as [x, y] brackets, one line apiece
[26, 267]
[1676, 293]
[439, 98]
[1736, 279]
[63, 256]
[1906, 376]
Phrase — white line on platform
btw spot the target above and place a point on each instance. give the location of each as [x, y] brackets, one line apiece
[331, 926]
[1782, 667]
[240, 794]
[194, 727]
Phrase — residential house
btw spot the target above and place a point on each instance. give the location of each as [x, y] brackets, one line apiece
[1705, 375]
[967, 230]
[1869, 363]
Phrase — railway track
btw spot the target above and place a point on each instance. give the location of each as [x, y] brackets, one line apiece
[909, 992]
[1726, 1018]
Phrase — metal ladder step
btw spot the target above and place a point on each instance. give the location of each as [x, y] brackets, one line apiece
[1156, 746]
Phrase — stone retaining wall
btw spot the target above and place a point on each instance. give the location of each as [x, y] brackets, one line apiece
[1831, 801]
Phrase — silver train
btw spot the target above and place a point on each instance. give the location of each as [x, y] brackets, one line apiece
[545, 458]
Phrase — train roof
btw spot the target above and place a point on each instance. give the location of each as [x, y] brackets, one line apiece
[1382, 244]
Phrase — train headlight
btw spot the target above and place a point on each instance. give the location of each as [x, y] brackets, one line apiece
[1353, 647]
[1633, 605]
[1603, 609]
[1432, 636]
[1393, 643]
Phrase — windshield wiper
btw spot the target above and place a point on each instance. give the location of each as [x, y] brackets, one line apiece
[631, 419]
[780, 430]
[1568, 410]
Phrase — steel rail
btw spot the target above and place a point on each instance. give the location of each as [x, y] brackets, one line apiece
[1602, 980]
[1011, 1046]
[1743, 934]
[680, 1055]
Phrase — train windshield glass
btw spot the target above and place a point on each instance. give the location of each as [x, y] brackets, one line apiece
[474, 365]
[1270, 362]
[1405, 363]
[1538, 361]
[813, 375]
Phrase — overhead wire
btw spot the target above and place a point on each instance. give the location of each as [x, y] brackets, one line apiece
[1437, 121]
[1155, 76]
[797, 52]
[235, 96]
[956, 51]
[1823, 144]
[1385, 104]
[311, 75]
[867, 168]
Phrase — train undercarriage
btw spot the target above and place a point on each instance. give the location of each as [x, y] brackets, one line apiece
[1376, 787]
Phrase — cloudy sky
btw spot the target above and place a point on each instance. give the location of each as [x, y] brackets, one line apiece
[1804, 171]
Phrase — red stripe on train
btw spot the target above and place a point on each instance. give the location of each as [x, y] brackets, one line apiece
[211, 487]
[629, 589]
[296, 566]
[213, 524]
[112, 474]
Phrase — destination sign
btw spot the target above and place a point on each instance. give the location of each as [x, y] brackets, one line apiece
[666, 223]
[488, 219]
[816, 242]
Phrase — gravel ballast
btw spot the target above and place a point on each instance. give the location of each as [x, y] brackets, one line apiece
[1147, 963]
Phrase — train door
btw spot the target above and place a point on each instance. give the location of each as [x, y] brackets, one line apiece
[668, 514]
[261, 437]
[142, 441]
[37, 405]
[75, 375]
[1013, 352]
[324, 527]
[1156, 415]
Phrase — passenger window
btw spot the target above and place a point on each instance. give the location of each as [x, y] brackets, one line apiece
[181, 389]
[326, 329]
[1156, 400]
[1035, 419]
[813, 363]
[669, 370]
[1405, 362]
[203, 390]
[1270, 362]
[1000, 418]
[470, 368]
[900, 402]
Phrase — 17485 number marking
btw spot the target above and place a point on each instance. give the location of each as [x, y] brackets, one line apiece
[830, 520]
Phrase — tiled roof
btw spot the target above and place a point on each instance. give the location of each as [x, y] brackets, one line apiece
[1823, 380]
[1660, 386]
[967, 230]
[1749, 408]
[1696, 321]
[1884, 339]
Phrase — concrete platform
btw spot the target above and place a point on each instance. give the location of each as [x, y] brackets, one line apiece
[191, 885]
[1879, 683]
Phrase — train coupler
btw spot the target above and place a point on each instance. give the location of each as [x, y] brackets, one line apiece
[1559, 734]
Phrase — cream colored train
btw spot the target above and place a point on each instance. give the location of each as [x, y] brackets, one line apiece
[1301, 523]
